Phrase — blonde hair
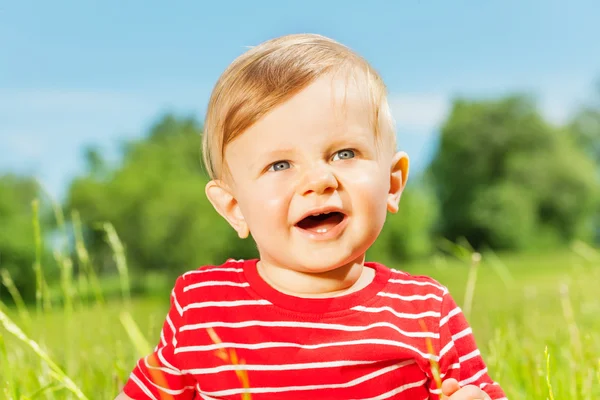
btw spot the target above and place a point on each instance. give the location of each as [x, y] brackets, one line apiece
[271, 73]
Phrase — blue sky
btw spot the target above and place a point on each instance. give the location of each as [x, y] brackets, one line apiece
[81, 72]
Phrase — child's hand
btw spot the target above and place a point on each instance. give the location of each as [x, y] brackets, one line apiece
[451, 390]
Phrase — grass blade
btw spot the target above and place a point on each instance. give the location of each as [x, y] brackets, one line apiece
[37, 265]
[10, 391]
[135, 335]
[550, 393]
[68, 383]
[84, 258]
[16, 296]
[471, 281]
[120, 260]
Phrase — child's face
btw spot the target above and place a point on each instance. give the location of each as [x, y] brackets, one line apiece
[316, 153]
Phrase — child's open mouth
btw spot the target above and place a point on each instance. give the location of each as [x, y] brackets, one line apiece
[322, 224]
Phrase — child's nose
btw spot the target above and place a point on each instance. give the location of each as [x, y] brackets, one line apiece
[318, 180]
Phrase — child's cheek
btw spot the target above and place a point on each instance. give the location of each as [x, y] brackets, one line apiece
[366, 176]
[268, 201]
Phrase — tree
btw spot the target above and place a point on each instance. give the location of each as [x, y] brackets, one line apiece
[155, 200]
[409, 233]
[17, 244]
[508, 179]
[585, 128]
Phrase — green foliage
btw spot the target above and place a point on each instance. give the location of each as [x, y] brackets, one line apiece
[507, 179]
[155, 200]
[511, 215]
[585, 128]
[408, 234]
[17, 246]
[549, 303]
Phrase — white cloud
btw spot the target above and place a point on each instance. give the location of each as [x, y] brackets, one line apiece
[25, 145]
[557, 110]
[419, 111]
[74, 101]
[422, 112]
[43, 131]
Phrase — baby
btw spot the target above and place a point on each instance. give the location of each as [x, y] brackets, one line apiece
[300, 145]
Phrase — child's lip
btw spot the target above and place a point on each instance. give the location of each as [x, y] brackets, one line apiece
[330, 234]
[321, 210]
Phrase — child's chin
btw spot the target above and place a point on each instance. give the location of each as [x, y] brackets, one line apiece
[324, 263]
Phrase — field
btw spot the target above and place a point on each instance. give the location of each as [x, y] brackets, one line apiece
[519, 307]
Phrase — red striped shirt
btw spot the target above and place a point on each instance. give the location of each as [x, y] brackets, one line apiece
[368, 344]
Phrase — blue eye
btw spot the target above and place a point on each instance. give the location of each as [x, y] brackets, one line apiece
[279, 166]
[343, 155]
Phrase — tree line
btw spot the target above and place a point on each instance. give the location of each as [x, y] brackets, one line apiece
[502, 177]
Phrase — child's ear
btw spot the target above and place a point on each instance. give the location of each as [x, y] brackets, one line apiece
[222, 199]
[398, 178]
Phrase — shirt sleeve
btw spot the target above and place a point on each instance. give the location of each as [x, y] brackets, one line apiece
[159, 375]
[459, 357]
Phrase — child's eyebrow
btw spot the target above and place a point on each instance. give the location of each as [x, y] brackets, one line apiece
[341, 142]
[349, 140]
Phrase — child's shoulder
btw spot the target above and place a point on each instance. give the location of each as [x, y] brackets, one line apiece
[230, 270]
[210, 280]
[416, 283]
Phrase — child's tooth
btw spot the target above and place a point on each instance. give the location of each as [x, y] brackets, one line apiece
[322, 230]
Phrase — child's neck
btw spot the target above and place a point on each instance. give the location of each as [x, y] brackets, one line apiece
[341, 281]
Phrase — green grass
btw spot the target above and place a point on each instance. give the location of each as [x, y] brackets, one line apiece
[522, 306]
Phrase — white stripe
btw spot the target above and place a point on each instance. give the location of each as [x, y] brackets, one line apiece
[435, 391]
[371, 342]
[214, 283]
[269, 345]
[484, 384]
[142, 386]
[170, 323]
[446, 348]
[398, 390]
[163, 369]
[451, 314]
[162, 389]
[472, 379]
[274, 367]
[163, 342]
[213, 270]
[177, 306]
[236, 303]
[396, 313]
[203, 396]
[452, 366]
[466, 357]
[418, 283]
[163, 360]
[397, 271]
[312, 387]
[308, 325]
[410, 298]
[462, 334]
